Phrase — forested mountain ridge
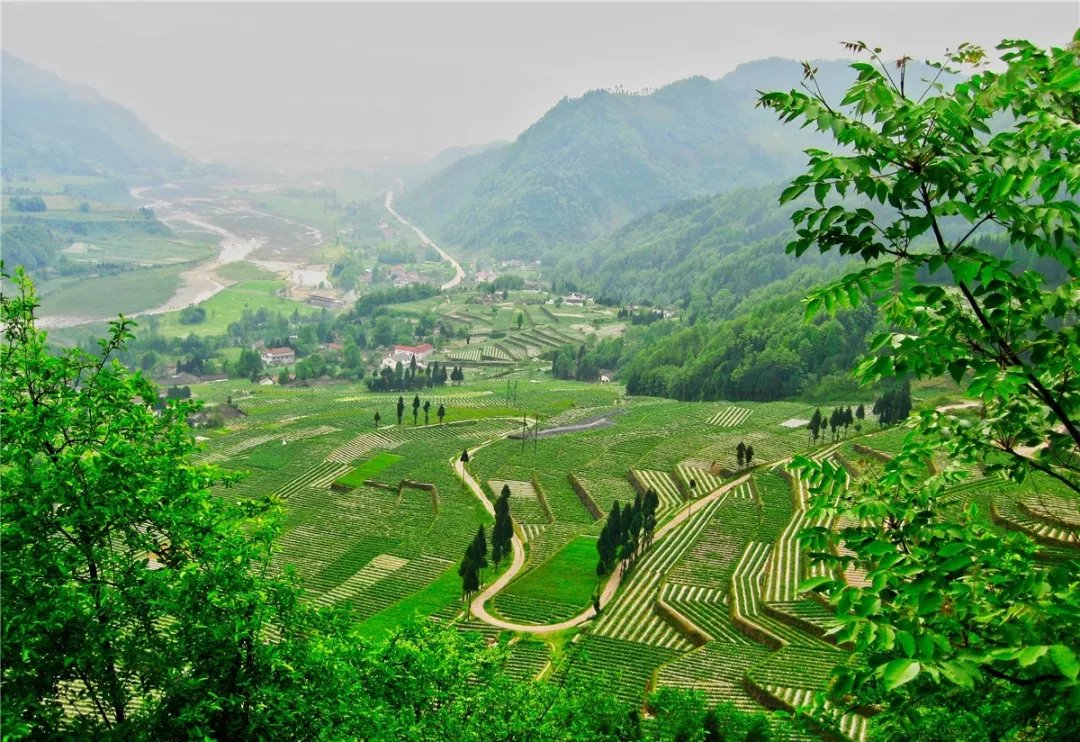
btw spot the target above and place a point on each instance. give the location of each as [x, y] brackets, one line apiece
[52, 126]
[594, 163]
[740, 332]
[705, 255]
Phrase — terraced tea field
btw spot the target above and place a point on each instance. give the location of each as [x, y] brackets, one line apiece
[376, 520]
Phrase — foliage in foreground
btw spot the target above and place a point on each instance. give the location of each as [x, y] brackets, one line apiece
[967, 632]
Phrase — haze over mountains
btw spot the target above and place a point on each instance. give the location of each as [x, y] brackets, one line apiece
[594, 163]
[52, 126]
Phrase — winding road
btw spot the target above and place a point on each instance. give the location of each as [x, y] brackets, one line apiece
[477, 608]
[459, 273]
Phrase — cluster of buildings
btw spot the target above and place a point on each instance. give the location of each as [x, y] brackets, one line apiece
[404, 277]
[404, 354]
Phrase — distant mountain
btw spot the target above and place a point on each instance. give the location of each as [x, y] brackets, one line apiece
[596, 162]
[53, 126]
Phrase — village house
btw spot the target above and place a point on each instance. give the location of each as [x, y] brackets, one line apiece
[575, 299]
[277, 356]
[403, 277]
[404, 354]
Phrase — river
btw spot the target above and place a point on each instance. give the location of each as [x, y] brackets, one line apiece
[198, 283]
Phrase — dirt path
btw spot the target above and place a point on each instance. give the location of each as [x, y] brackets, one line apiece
[476, 607]
[459, 273]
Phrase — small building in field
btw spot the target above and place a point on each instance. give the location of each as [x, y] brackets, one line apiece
[575, 299]
[278, 356]
[321, 300]
[405, 353]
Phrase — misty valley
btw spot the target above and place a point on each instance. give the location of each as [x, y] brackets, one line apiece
[739, 407]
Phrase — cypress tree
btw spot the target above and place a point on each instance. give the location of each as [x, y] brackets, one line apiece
[648, 520]
[400, 409]
[441, 413]
[740, 453]
[503, 531]
[478, 549]
[415, 407]
[427, 409]
[749, 454]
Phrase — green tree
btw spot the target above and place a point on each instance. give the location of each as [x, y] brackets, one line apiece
[502, 533]
[441, 414]
[740, 453]
[128, 587]
[415, 408]
[427, 410]
[955, 612]
[283, 376]
[400, 408]
[378, 419]
[520, 319]
[749, 455]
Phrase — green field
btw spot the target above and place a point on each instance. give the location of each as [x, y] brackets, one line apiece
[367, 469]
[568, 577]
[128, 292]
[227, 306]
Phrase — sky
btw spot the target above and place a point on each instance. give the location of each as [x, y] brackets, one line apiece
[414, 78]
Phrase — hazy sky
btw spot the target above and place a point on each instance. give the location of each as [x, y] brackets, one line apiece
[415, 78]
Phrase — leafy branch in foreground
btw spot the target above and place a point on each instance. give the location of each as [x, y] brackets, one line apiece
[953, 611]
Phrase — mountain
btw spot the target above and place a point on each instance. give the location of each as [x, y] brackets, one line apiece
[596, 162]
[53, 126]
[741, 334]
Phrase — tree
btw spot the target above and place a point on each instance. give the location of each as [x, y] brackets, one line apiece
[464, 456]
[816, 421]
[607, 545]
[378, 419]
[478, 549]
[249, 364]
[520, 319]
[469, 574]
[113, 543]
[415, 408]
[651, 503]
[749, 455]
[958, 618]
[441, 413]
[503, 531]
[427, 410]
[740, 453]
[283, 376]
[400, 408]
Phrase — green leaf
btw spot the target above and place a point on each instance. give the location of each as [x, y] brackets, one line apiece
[1064, 660]
[1028, 656]
[906, 643]
[813, 583]
[899, 672]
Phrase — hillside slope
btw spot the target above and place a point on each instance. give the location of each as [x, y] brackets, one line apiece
[52, 126]
[594, 163]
